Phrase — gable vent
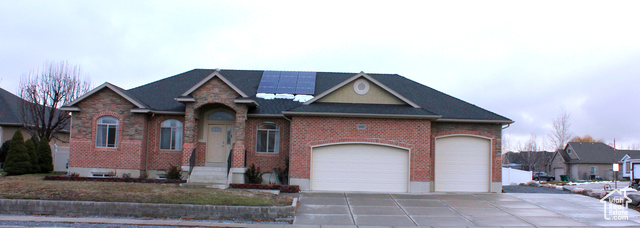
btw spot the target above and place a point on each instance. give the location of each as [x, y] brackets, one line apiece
[361, 86]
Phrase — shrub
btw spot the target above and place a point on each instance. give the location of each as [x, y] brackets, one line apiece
[18, 161]
[254, 176]
[283, 174]
[143, 175]
[44, 156]
[4, 150]
[33, 155]
[174, 173]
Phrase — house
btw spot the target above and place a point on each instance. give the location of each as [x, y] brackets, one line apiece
[528, 160]
[339, 131]
[586, 161]
[10, 122]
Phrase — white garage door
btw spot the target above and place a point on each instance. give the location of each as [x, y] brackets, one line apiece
[359, 167]
[462, 164]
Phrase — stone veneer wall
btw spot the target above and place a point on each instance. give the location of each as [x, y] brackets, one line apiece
[129, 152]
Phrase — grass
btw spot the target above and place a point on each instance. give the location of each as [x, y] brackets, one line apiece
[34, 187]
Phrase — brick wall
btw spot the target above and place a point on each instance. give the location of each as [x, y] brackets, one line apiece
[162, 159]
[492, 131]
[312, 131]
[267, 161]
[83, 151]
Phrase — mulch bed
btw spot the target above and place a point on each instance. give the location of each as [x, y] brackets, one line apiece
[282, 188]
[114, 179]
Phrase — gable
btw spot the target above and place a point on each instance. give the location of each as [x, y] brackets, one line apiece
[214, 75]
[374, 94]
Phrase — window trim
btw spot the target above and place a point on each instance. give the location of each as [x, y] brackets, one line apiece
[276, 148]
[108, 125]
[181, 127]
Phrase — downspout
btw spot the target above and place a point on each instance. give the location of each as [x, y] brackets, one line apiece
[289, 174]
[506, 126]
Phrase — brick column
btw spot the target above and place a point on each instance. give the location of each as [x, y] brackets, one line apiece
[238, 147]
[190, 132]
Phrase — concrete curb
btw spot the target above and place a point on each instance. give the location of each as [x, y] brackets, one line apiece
[115, 209]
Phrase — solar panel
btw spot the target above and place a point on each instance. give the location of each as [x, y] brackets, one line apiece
[306, 83]
[289, 82]
[269, 82]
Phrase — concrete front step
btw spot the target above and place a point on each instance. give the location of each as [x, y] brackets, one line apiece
[215, 177]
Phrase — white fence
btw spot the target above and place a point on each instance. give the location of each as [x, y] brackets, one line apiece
[60, 158]
[514, 176]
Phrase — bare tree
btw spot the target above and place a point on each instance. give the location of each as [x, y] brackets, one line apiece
[560, 134]
[530, 158]
[45, 91]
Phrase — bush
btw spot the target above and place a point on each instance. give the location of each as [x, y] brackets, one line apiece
[283, 174]
[18, 161]
[4, 150]
[174, 173]
[44, 156]
[33, 155]
[254, 176]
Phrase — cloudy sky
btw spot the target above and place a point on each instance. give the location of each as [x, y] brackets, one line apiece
[523, 60]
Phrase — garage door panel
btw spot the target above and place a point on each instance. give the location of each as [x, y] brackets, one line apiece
[360, 167]
[462, 164]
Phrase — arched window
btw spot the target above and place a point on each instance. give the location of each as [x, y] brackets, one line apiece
[268, 138]
[107, 132]
[171, 135]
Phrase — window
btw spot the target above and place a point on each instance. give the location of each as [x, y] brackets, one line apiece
[107, 132]
[171, 135]
[268, 138]
[220, 116]
[594, 170]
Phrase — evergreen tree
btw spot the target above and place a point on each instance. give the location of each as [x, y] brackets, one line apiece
[31, 149]
[4, 150]
[18, 161]
[44, 156]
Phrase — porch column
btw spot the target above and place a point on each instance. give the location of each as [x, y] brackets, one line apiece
[190, 132]
[238, 147]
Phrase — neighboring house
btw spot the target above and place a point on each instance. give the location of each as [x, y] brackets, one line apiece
[339, 131]
[538, 161]
[584, 161]
[10, 122]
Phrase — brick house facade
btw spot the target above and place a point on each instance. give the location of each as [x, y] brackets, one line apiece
[219, 116]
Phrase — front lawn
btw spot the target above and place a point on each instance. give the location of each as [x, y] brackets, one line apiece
[34, 187]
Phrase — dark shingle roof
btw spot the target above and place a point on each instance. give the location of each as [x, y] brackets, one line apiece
[159, 95]
[596, 153]
[9, 108]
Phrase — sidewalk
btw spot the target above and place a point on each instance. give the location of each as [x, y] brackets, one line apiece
[138, 222]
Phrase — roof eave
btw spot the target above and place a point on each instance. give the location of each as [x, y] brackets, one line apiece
[215, 73]
[112, 88]
[476, 121]
[362, 115]
[70, 108]
[248, 102]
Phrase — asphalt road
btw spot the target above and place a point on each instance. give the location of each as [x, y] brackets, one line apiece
[529, 189]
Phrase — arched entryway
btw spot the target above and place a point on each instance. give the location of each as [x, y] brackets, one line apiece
[217, 130]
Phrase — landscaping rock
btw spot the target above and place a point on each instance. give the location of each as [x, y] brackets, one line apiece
[635, 198]
[533, 184]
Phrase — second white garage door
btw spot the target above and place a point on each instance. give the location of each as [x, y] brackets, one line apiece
[359, 167]
[462, 164]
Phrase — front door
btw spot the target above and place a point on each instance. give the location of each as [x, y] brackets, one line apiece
[217, 143]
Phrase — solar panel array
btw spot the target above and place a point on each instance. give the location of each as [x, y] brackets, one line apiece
[289, 82]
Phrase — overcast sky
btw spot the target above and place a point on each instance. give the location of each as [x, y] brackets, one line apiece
[521, 60]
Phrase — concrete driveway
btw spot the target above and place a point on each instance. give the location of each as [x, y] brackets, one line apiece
[473, 210]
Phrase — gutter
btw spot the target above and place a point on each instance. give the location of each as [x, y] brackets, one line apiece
[338, 114]
[476, 121]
